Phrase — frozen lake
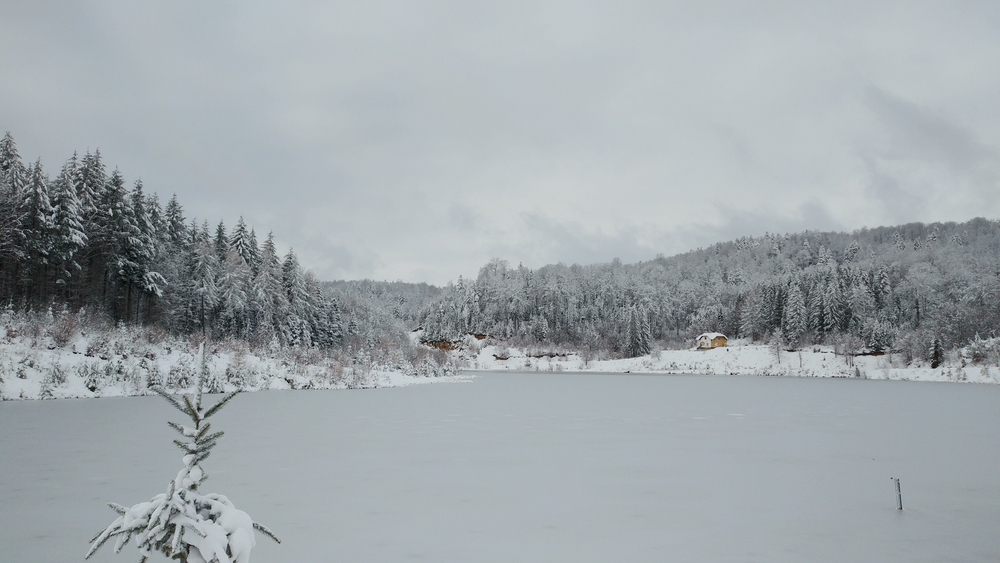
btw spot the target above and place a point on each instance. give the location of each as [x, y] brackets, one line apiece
[538, 468]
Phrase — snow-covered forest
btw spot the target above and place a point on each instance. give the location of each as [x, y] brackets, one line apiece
[83, 248]
[917, 289]
[84, 239]
[92, 265]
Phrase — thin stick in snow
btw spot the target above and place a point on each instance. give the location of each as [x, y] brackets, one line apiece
[899, 496]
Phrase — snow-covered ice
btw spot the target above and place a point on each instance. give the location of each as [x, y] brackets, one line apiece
[540, 467]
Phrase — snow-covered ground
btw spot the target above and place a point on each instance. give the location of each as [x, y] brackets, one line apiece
[35, 364]
[538, 467]
[739, 359]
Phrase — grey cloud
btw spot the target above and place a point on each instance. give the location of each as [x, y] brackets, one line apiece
[556, 241]
[925, 158]
[811, 215]
[406, 140]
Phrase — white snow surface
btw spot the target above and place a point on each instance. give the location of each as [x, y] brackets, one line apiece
[737, 359]
[540, 467]
[34, 367]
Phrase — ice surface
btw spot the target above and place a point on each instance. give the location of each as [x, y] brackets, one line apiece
[539, 467]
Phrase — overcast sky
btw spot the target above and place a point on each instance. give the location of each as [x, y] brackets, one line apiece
[417, 140]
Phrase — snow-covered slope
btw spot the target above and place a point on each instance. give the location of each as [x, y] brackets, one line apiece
[128, 360]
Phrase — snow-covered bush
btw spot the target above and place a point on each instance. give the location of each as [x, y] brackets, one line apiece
[90, 373]
[239, 374]
[183, 523]
[154, 376]
[180, 374]
[54, 377]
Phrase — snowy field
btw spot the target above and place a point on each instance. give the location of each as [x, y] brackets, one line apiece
[538, 467]
[739, 359]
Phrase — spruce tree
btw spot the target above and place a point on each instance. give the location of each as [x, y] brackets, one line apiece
[269, 298]
[112, 227]
[221, 241]
[93, 177]
[239, 241]
[203, 268]
[183, 523]
[299, 305]
[936, 353]
[833, 304]
[68, 231]
[174, 222]
[12, 170]
[793, 322]
[233, 283]
[637, 335]
[253, 252]
[157, 219]
[37, 226]
[13, 181]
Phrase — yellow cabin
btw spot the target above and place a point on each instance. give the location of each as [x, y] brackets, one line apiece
[711, 340]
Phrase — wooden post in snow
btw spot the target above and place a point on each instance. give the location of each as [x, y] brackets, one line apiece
[899, 496]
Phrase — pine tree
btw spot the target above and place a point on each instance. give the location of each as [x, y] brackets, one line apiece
[234, 281]
[203, 268]
[221, 241]
[253, 252]
[793, 321]
[299, 306]
[68, 231]
[112, 227]
[183, 523]
[37, 227]
[176, 231]
[13, 181]
[833, 305]
[240, 241]
[750, 313]
[136, 252]
[157, 219]
[637, 335]
[936, 353]
[13, 173]
[815, 310]
[269, 300]
[93, 177]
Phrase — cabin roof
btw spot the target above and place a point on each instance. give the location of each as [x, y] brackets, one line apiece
[711, 335]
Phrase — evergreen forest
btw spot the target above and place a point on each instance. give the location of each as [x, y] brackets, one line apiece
[916, 289]
[84, 239]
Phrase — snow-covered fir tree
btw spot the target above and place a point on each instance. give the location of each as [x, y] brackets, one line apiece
[183, 523]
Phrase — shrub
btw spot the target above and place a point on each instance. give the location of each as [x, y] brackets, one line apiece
[63, 328]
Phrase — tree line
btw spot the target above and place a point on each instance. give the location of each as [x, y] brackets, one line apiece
[914, 288]
[84, 239]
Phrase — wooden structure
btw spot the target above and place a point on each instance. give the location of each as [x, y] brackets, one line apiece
[710, 340]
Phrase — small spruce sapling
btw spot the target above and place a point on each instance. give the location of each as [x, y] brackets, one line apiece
[183, 523]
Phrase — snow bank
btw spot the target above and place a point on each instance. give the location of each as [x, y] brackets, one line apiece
[816, 361]
[123, 362]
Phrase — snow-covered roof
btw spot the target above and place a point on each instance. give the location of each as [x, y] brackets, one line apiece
[711, 335]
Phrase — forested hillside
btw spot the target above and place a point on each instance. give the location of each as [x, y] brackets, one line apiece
[914, 288]
[380, 314]
[85, 240]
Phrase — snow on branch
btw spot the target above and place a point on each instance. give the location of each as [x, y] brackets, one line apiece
[183, 523]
